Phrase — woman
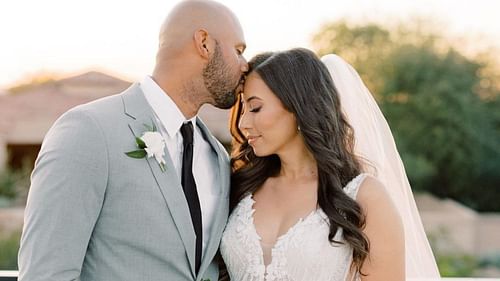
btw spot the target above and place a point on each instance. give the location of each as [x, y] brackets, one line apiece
[303, 208]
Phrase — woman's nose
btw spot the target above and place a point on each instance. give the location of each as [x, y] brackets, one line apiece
[244, 123]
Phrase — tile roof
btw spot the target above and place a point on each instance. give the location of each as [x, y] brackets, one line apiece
[27, 115]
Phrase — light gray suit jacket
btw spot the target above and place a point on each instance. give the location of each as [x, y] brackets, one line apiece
[93, 213]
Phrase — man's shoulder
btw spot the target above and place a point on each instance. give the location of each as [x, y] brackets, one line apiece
[105, 113]
[105, 108]
[101, 105]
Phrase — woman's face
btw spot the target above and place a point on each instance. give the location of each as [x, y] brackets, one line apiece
[265, 122]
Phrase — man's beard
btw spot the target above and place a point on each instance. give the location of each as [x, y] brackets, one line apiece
[218, 80]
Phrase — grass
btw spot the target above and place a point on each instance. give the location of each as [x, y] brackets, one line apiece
[9, 246]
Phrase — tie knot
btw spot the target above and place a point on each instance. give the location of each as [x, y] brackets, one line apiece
[187, 132]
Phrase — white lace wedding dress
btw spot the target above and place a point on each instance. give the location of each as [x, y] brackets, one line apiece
[303, 253]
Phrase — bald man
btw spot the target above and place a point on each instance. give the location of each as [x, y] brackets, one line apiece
[134, 186]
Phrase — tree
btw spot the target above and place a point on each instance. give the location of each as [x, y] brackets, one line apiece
[432, 97]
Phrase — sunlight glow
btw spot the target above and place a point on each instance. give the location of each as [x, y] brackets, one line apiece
[120, 37]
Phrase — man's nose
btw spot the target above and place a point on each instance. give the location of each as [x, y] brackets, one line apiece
[244, 66]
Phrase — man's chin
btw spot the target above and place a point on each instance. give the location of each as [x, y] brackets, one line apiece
[227, 103]
[230, 98]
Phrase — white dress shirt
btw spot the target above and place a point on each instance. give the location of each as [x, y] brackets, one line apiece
[205, 170]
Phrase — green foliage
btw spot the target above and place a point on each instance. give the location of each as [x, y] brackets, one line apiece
[9, 246]
[457, 265]
[437, 119]
[443, 108]
[14, 185]
[8, 180]
[490, 260]
[362, 46]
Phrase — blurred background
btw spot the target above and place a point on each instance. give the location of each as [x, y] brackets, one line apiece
[432, 65]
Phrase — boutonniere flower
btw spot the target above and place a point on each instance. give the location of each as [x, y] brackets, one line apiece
[150, 144]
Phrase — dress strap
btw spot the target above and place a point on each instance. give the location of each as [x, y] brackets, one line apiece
[352, 187]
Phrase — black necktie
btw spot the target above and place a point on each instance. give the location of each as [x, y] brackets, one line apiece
[189, 187]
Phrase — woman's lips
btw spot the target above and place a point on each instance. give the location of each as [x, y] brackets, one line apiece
[252, 139]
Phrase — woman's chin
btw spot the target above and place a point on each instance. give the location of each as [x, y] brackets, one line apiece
[259, 152]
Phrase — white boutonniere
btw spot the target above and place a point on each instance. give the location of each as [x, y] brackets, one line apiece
[150, 144]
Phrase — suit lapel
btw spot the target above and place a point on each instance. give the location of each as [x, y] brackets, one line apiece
[138, 109]
[222, 204]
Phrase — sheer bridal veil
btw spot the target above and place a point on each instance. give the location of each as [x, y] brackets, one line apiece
[375, 143]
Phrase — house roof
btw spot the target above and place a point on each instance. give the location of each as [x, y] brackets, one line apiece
[26, 116]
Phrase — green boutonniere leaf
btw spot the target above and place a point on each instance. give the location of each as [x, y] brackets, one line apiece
[153, 141]
[141, 153]
[140, 143]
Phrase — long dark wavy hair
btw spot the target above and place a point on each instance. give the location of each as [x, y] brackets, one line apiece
[303, 84]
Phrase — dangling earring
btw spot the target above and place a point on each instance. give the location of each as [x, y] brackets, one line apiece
[298, 128]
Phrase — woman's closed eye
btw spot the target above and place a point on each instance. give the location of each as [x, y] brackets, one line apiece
[256, 109]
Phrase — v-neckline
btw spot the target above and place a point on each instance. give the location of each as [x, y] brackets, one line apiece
[281, 237]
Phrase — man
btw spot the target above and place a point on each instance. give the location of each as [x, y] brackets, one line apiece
[134, 186]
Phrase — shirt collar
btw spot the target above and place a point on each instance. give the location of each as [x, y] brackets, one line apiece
[164, 107]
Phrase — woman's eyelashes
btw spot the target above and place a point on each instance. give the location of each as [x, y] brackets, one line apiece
[256, 109]
[250, 108]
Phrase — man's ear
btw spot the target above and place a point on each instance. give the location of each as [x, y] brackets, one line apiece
[202, 43]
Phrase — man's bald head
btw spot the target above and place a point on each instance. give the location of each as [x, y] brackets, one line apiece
[200, 57]
[189, 16]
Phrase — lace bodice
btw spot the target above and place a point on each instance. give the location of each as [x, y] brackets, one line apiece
[303, 253]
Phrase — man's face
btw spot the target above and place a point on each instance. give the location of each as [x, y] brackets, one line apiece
[223, 75]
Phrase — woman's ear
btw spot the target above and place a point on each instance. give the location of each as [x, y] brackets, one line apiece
[202, 43]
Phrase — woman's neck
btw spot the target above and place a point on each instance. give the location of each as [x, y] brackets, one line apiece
[298, 164]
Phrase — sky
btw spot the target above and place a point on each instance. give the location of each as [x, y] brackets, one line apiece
[120, 37]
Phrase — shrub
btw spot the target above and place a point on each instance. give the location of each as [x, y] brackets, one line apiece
[9, 246]
[457, 265]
